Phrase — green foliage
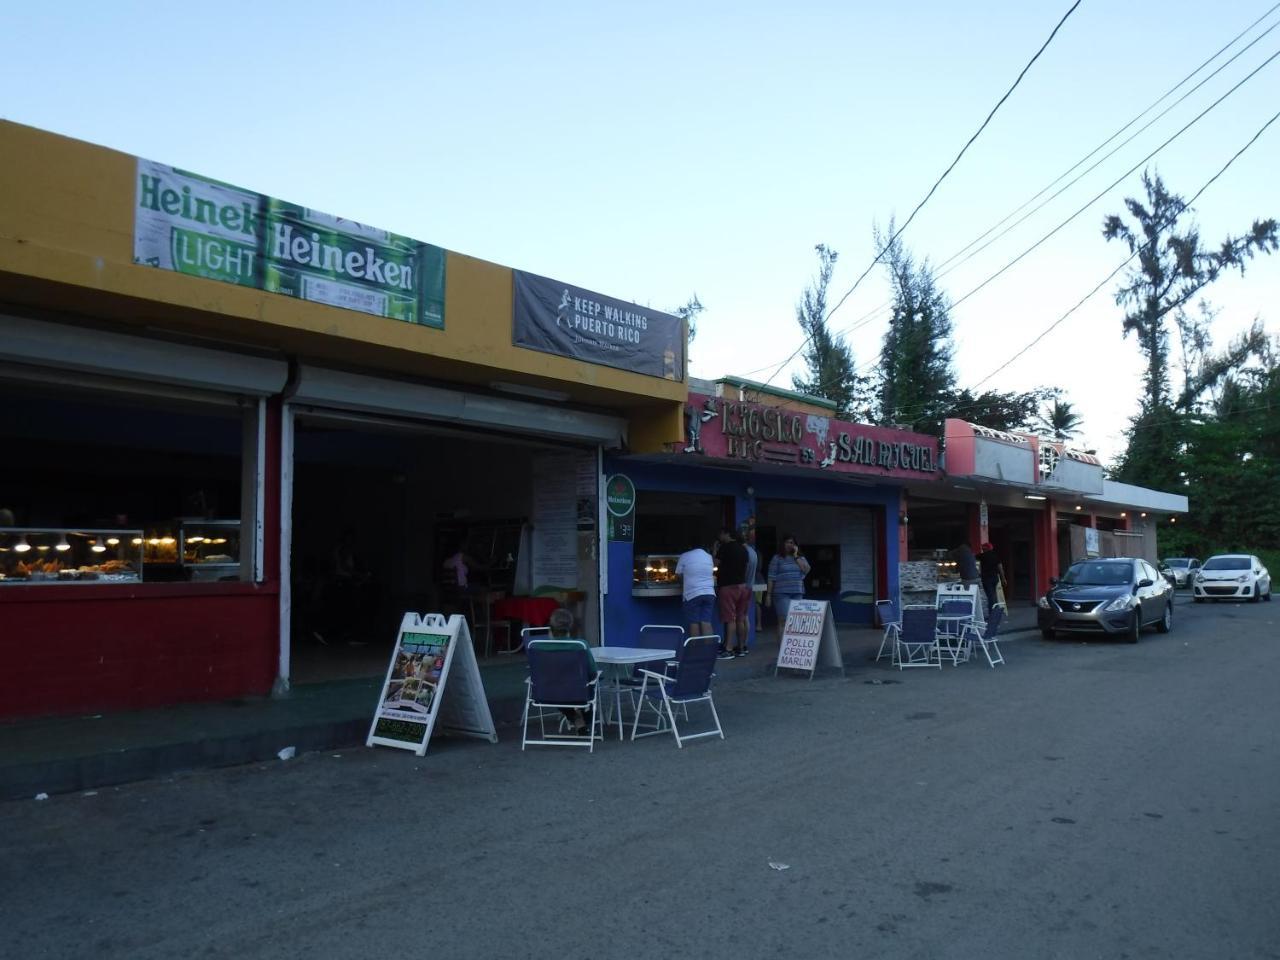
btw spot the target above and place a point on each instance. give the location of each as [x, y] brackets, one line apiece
[1059, 419]
[829, 368]
[996, 409]
[914, 381]
[689, 313]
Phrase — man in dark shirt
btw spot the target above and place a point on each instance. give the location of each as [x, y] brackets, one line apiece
[992, 574]
[734, 592]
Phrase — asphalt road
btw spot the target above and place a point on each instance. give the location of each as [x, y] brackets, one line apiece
[1087, 800]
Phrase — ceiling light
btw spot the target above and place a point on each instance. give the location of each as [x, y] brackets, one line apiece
[1078, 507]
[113, 541]
[98, 546]
[42, 547]
[1033, 496]
[21, 546]
[557, 396]
[136, 541]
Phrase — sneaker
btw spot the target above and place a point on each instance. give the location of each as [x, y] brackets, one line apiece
[743, 652]
[725, 655]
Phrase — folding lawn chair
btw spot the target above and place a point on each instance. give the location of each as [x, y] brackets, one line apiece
[689, 682]
[890, 613]
[562, 676]
[952, 637]
[987, 638]
[916, 644]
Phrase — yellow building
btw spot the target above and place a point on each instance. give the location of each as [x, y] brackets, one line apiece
[266, 427]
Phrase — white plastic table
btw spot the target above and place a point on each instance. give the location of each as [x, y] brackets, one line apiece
[619, 657]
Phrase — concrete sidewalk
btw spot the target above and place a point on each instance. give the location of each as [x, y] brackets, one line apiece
[65, 754]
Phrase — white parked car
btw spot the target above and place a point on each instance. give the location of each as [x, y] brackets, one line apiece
[1232, 576]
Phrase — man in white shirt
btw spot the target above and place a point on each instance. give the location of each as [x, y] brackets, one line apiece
[699, 589]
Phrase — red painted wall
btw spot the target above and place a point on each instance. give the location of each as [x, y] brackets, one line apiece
[77, 648]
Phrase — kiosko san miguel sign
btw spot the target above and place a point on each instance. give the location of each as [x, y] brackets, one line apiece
[559, 318]
[192, 225]
[731, 430]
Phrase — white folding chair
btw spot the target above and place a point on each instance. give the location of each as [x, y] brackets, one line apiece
[955, 615]
[986, 638]
[890, 615]
[916, 643]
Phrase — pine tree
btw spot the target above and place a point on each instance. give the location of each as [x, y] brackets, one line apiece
[829, 368]
[915, 382]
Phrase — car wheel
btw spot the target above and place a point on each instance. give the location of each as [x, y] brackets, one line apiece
[1135, 626]
[1166, 622]
[1267, 597]
[1256, 595]
[1048, 634]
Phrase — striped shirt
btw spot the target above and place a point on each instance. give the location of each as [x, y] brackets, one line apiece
[786, 576]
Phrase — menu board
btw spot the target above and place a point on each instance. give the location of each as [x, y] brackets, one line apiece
[558, 480]
[809, 638]
[428, 650]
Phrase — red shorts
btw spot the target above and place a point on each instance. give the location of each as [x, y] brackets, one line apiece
[735, 601]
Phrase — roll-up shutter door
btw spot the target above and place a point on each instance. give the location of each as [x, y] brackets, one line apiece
[68, 348]
[857, 551]
[339, 389]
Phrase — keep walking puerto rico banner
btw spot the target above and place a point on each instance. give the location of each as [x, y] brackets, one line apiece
[559, 318]
[203, 228]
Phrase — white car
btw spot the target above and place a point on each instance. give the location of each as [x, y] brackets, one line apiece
[1232, 576]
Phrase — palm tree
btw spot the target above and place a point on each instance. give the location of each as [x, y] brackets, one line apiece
[1060, 419]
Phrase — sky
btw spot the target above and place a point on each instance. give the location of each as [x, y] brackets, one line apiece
[660, 150]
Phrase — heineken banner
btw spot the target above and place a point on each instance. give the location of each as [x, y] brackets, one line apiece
[559, 318]
[203, 228]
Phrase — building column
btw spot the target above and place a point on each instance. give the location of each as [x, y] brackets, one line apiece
[1045, 532]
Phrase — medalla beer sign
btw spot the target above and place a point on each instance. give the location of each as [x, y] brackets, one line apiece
[203, 228]
[560, 318]
[717, 427]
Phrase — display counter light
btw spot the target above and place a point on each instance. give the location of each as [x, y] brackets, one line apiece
[21, 546]
[195, 539]
[113, 541]
[136, 541]
[98, 546]
[63, 546]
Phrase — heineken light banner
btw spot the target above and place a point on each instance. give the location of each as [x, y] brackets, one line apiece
[203, 228]
[560, 318]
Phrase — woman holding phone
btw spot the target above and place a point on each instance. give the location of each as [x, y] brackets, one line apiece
[787, 571]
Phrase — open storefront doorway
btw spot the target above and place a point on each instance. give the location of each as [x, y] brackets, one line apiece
[379, 505]
[840, 543]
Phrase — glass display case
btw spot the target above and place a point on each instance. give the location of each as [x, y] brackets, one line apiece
[209, 549]
[654, 575]
[44, 555]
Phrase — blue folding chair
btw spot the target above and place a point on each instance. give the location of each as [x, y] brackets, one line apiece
[916, 644]
[652, 635]
[955, 616]
[562, 677]
[987, 638]
[890, 613]
[689, 681]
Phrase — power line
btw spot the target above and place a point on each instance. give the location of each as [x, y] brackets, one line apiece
[1115, 183]
[945, 263]
[1129, 259]
[918, 409]
[938, 183]
[878, 311]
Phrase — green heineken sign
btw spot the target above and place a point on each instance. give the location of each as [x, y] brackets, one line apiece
[620, 504]
[620, 495]
[203, 228]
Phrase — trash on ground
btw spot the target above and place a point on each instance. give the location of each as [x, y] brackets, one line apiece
[89, 793]
[42, 796]
[288, 753]
[779, 866]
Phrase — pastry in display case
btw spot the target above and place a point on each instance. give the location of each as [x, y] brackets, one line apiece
[43, 555]
[654, 575]
[209, 549]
